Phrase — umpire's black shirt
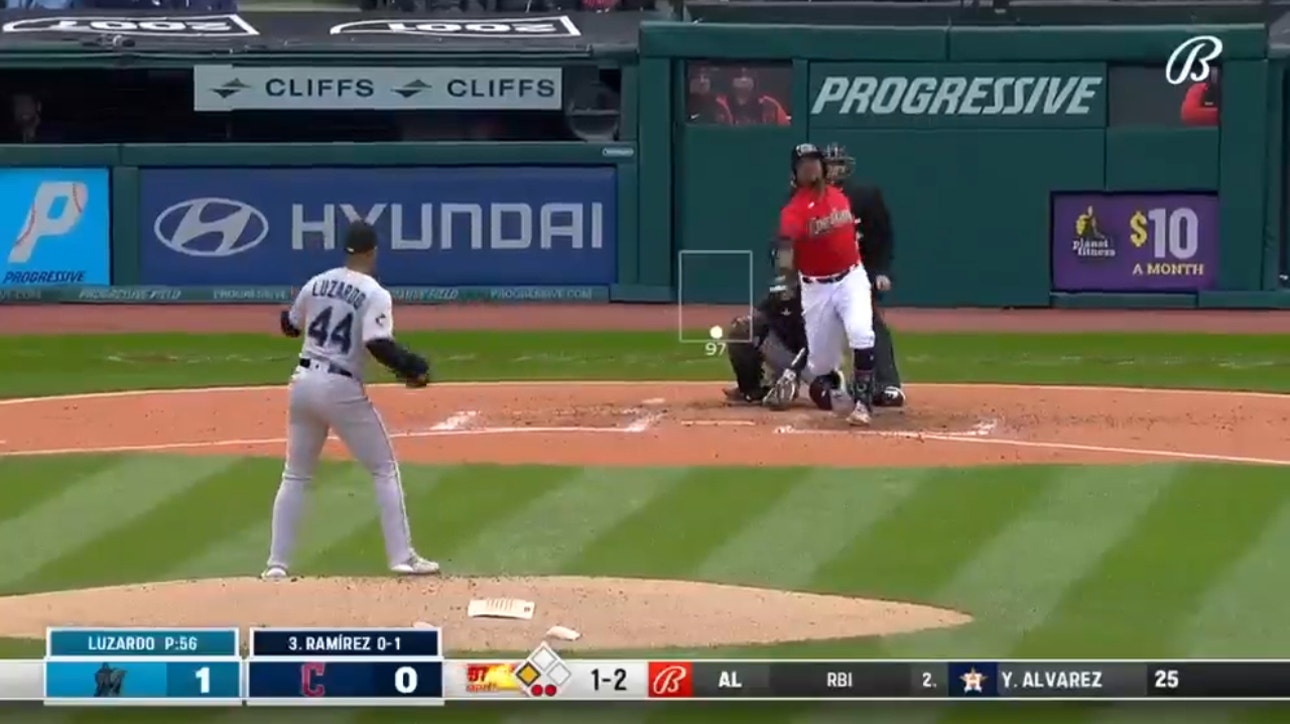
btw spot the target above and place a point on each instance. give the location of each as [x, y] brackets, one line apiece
[873, 223]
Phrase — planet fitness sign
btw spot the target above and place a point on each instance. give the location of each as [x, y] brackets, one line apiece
[1134, 242]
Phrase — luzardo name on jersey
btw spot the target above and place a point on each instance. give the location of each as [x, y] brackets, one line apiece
[337, 289]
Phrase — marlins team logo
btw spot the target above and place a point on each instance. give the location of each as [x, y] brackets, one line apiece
[108, 681]
[1090, 242]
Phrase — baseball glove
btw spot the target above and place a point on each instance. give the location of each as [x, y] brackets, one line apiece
[417, 381]
[416, 373]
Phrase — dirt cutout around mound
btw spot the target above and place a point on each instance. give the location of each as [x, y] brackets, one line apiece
[610, 613]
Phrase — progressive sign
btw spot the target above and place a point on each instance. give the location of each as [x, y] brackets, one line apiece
[898, 95]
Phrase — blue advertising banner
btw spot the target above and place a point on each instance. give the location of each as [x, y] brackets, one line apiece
[523, 225]
[56, 223]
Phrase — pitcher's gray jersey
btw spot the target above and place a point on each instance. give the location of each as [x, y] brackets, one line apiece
[340, 311]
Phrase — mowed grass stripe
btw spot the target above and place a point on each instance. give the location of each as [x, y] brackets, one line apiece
[344, 536]
[1164, 713]
[919, 546]
[26, 482]
[475, 497]
[845, 713]
[340, 502]
[445, 515]
[612, 713]
[676, 530]
[213, 715]
[165, 534]
[1138, 601]
[88, 513]
[822, 512]
[551, 532]
[1243, 613]
[1016, 580]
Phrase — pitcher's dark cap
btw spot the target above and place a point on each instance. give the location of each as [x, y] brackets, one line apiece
[360, 238]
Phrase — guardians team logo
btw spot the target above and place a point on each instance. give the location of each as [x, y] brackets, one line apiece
[1090, 241]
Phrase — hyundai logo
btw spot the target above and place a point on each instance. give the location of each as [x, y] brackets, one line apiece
[211, 227]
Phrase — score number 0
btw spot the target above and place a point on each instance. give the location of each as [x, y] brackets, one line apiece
[405, 680]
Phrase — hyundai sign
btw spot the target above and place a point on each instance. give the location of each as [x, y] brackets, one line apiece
[438, 226]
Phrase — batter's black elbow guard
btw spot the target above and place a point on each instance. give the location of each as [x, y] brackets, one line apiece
[288, 328]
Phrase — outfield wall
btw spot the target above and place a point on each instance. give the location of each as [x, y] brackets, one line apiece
[1025, 167]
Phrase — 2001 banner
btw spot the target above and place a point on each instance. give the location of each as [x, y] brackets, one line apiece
[1134, 242]
[480, 226]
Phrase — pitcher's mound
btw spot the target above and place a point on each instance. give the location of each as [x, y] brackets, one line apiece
[610, 613]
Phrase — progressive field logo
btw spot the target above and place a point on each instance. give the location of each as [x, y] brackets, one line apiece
[56, 224]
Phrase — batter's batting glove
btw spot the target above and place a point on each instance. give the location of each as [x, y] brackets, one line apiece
[783, 392]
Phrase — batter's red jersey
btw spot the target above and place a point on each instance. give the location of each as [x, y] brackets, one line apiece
[822, 230]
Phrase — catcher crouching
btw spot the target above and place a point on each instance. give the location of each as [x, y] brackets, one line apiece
[761, 346]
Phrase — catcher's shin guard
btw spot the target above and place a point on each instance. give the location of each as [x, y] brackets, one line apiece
[746, 362]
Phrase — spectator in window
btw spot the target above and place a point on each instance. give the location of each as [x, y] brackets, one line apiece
[702, 105]
[747, 106]
[1200, 105]
[27, 126]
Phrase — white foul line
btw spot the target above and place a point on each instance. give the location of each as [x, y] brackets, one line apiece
[641, 424]
[1109, 449]
[248, 442]
[980, 439]
[456, 421]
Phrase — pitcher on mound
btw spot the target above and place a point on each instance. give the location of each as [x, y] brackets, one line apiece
[817, 237]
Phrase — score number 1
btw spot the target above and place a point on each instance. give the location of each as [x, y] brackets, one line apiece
[203, 680]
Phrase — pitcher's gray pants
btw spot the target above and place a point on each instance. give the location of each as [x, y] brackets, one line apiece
[320, 401]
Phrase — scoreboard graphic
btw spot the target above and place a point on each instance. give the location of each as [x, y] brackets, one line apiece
[406, 667]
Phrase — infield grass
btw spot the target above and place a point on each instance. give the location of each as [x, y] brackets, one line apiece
[1167, 560]
[45, 365]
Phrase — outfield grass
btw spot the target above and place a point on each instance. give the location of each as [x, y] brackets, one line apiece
[1157, 561]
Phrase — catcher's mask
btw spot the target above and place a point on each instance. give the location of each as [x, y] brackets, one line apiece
[802, 153]
[838, 165]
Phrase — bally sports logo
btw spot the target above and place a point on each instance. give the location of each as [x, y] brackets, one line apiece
[671, 679]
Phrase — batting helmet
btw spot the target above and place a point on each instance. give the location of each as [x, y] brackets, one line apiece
[806, 150]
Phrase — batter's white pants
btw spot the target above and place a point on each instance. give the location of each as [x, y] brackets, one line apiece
[834, 313]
